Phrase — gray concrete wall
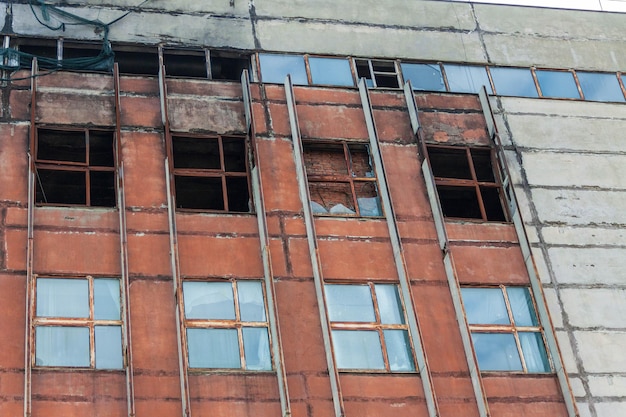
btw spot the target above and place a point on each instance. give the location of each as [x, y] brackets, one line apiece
[569, 160]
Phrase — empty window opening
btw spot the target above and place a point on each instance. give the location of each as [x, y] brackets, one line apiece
[78, 323]
[341, 178]
[75, 167]
[466, 183]
[377, 73]
[185, 63]
[506, 333]
[144, 61]
[228, 66]
[368, 328]
[211, 173]
[226, 325]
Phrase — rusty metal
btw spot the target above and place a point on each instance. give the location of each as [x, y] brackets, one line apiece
[316, 263]
[183, 364]
[125, 287]
[398, 253]
[268, 273]
[531, 268]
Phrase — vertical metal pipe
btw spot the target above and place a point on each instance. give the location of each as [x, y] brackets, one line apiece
[268, 274]
[121, 208]
[398, 253]
[174, 260]
[313, 250]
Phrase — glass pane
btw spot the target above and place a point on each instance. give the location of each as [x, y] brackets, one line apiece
[496, 352]
[466, 78]
[484, 306]
[600, 87]
[522, 306]
[357, 349]
[109, 347]
[274, 68]
[557, 84]
[368, 206]
[389, 305]
[251, 305]
[399, 350]
[534, 352]
[424, 76]
[513, 82]
[349, 303]
[58, 297]
[62, 346]
[209, 300]
[213, 348]
[256, 347]
[106, 297]
[330, 71]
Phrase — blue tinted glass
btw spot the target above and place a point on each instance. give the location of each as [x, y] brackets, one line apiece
[57, 297]
[251, 305]
[274, 68]
[399, 350]
[467, 78]
[389, 304]
[424, 76]
[600, 87]
[256, 347]
[535, 355]
[108, 347]
[213, 348]
[558, 84]
[513, 82]
[209, 300]
[357, 349]
[349, 303]
[522, 306]
[106, 296]
[484, 306]
[62, 346]
[496, 352]
[330, 71]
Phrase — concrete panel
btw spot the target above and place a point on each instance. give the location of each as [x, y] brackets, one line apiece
[560, 235]
[567, 169]
[607, 55]
[554, 307]
[577, 206]
[296, 36]
[602, 351]
[588, 265]
[566, 108]
[567, 354]
[607, 386]
[434, 14]
[596, 307]
[610, 409]
[576, 134]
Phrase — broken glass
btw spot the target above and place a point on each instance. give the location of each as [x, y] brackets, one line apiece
[425, 77]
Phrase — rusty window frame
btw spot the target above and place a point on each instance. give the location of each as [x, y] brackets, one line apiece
[237, 323]
[85, 167]
[375, 73]
[89, 322]
[473, 182]
[350, 177]
[376, 326]
[512, 327]
[222, 172]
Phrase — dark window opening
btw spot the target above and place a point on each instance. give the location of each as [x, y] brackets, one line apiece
[75, 167]
[467, 184]
[211, 173]
[183, 63]
[140, 62]
[381, 74]
[45, 48]
[341, 179]
[228, 66]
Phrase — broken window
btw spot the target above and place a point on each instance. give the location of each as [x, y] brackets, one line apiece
[341, 178]
[377, 73]
[506, 333]
[427, 77]
[368, 327]
[78, 323]
[139, 61]
[467, 185]
[185, 63]
[228, 65]
[75, 167]
[211, 173]
[226, 324]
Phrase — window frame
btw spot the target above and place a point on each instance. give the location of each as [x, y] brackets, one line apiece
[472, 183]
[347, 178]
[237, 323]
[376, 326]
[221, 173]
[77, 322]
[73, 166]
[511, 328]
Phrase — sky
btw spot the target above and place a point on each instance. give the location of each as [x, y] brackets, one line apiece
[604, 5]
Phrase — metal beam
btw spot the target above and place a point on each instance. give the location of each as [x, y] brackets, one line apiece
[398, 252]
[313, 249]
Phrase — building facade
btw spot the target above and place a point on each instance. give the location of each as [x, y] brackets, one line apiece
[294, 209]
